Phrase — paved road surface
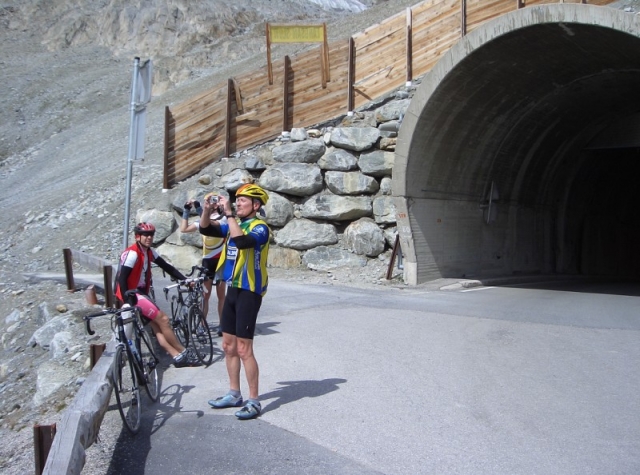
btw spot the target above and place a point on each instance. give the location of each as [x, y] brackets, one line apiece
[492, 380]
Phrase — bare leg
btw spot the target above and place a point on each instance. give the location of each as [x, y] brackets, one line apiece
[229, 345]
[245, 352]
[207, 296]
[220, 291]
[164, 333]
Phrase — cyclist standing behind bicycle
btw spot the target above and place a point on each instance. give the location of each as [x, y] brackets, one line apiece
[211, 250]
[134, 272]
[244, 269]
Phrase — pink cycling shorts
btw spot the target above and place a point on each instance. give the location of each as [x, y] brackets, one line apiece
[147, 307]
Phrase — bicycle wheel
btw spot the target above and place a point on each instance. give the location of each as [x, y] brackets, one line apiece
[150, 363]
[125, 385]
[200, 335]
[180, 323]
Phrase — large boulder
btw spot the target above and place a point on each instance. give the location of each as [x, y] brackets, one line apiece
[304, 234]
[298, 179]
[350, 183]
[338, 159]
[279, 210]
[328, 206]
[377, 163]
[364, 237]
[355, 138]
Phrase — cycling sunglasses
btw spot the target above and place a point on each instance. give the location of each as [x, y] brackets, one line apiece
[146, 233]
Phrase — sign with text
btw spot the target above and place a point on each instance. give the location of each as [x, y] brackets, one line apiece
[300, 34]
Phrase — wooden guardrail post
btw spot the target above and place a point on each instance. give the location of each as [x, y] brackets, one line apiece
[42, 439]
[107, 272]
[95, 352]
[68, 269]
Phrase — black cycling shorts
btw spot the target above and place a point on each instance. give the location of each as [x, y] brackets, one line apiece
[240, 312]
[211, 264]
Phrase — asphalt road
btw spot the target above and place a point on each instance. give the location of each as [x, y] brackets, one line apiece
[525, 379]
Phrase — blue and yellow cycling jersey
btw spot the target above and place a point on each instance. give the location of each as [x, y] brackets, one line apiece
[246, 268]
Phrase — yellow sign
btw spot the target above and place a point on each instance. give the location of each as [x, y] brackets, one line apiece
[296, 33]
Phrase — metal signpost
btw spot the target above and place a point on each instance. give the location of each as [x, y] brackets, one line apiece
[140, 97]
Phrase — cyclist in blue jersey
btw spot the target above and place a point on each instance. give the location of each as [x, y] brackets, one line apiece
[243, 264]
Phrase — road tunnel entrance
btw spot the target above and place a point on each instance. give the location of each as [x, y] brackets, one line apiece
[520, 151]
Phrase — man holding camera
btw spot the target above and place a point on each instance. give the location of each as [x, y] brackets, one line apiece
[211, 249]
[244, 269]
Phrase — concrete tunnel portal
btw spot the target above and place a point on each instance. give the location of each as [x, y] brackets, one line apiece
[520, 151]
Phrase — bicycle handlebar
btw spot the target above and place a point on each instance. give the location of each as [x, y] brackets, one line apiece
[87, 318]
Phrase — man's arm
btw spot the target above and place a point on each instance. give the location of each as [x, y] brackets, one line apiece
[208, 227]
[169, 269]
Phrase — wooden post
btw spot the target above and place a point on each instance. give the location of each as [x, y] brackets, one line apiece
[351, 72]
[324, 51]
[237, 96]
[409, 46]
[68, 269]
[167, 116]
[42, 439]
[269, 68]
[95, 352]
[463, 17]
[227, 124]
[520, 4]
[396, 246]
[285, 94]
[109, 298]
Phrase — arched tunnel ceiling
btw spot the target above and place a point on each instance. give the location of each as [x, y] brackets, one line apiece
[540, 93]
[517, 102]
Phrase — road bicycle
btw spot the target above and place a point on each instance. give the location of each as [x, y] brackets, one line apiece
[187, 316]
[134, 363]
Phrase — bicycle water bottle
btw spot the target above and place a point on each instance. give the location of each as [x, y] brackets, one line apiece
[134, 350]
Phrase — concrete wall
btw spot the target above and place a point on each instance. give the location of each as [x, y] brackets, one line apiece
[518, 104]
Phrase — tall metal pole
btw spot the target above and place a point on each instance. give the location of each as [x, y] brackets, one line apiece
[131, 156]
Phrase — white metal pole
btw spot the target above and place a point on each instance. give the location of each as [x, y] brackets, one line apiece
[131, 156]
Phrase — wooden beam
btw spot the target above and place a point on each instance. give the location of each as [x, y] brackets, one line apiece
[351, 73]
[236, 91]
[325, 56]
[109, 296]
[165, 179]
[409, 44]
[285, 94]
[269, 68]
[43, 436]
[68, 269]
[463, 17]
[227, 122]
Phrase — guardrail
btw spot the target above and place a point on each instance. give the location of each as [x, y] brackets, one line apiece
[80, 423]
[93, 263]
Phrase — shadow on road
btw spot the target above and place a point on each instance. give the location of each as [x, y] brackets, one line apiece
[295, 390]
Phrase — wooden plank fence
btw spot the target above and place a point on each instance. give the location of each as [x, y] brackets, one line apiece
[247, 110]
